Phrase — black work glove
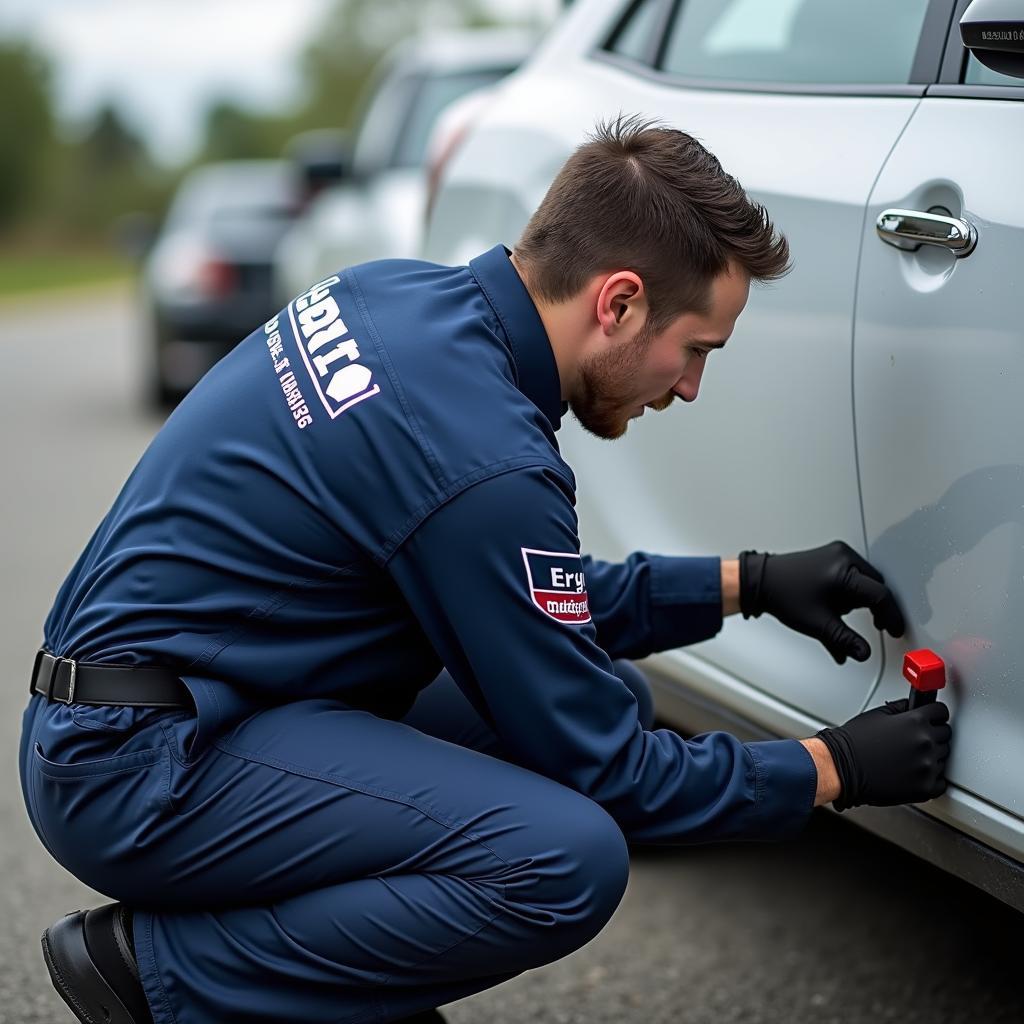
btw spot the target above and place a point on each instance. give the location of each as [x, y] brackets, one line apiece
[809, 591]
[890, 755]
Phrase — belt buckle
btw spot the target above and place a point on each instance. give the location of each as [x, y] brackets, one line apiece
[71, 683]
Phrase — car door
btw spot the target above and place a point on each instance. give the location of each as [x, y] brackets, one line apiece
[939, 374]
[802, 102]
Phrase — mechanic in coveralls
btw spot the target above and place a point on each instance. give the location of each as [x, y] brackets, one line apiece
[238, 729]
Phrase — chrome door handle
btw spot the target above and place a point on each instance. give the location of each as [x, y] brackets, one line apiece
[910, 229]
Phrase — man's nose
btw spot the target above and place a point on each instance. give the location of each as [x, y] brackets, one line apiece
[689, 383]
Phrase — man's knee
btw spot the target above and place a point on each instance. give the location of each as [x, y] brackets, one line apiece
[604, 858]
[577, 876]
[641, 689]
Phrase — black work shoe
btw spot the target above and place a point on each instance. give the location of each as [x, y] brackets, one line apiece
[92, 965]
[424, 1017]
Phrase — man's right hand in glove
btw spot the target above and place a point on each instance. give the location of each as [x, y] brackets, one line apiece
[888, 755]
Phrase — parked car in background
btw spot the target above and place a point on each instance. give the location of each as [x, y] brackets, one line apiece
[377, 210]
[873, 395]
[207, 279]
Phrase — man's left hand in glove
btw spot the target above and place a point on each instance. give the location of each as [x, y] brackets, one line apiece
[810, 591]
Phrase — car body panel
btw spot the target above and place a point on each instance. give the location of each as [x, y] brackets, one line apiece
[960, 833]
[939, 374]
[793, 481]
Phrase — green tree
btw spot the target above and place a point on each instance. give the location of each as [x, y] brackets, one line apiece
[26, 129]
[102, 173]
[335, 68]
[354, 36]
[110, 145]
[233, 133]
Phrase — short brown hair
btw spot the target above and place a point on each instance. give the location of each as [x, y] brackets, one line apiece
[639, 196]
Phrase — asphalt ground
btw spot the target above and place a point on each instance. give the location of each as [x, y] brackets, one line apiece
[837, 927]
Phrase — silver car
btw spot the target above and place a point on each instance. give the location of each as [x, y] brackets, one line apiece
[870, 396]
[378, 208]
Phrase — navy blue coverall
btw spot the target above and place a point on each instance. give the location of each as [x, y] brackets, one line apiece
[366, 491]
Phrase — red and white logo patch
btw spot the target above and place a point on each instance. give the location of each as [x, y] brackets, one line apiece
[557, 585]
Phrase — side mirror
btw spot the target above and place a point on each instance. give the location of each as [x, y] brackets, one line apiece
[993, 30]
[322, 158]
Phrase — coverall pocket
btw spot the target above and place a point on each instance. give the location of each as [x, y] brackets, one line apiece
[102, 817]
[119, 719]
[97, 766]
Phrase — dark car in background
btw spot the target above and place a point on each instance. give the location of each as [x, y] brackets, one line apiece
[207, 278]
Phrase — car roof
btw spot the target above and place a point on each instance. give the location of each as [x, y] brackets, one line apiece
[225, 172]
[466, 49]
[233, 184]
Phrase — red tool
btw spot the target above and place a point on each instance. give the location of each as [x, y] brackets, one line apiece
[926, 673]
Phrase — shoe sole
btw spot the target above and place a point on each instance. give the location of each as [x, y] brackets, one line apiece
[76, 978]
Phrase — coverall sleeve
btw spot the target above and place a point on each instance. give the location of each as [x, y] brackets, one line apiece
[491, 577]
[651, 603]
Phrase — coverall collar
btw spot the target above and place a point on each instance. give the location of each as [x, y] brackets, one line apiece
[534, 362]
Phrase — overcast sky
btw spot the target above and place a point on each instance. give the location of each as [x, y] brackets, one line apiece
[161, 61]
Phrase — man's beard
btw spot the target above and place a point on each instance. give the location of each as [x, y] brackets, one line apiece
[605, 395]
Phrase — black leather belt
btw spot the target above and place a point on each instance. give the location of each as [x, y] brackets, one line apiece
[68, 681]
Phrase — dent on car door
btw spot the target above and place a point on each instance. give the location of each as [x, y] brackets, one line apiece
[939, 374]
[765, 458]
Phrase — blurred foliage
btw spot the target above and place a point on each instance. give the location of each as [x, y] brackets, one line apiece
[336, 67]
[26, 130]
[340, 58]
[100, 175]
[70, 192]
[22, 273]
[60, 191]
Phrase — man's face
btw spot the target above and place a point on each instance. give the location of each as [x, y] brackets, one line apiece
[651, 370]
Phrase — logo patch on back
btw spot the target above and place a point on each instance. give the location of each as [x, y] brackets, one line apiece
[330, 350]
[557, 585]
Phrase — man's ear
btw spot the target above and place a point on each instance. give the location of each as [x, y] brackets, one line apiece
[621, 302]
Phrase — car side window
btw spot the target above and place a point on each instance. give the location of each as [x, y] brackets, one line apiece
[977, 74]
[633, 34]
[797, 41]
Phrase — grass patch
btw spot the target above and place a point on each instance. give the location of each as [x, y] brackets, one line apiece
[27, 273]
